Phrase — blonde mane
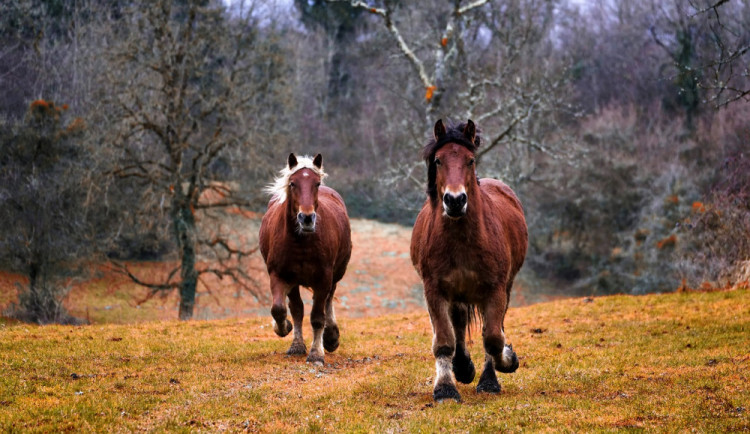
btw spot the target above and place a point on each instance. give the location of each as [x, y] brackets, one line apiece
[277, 189]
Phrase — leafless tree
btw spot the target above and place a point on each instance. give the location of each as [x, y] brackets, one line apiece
[474, 60]
[195, 99]
[726, 71]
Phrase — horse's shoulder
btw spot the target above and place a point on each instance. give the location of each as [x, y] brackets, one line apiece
[419, 235]
[423, 218]
[265, 231]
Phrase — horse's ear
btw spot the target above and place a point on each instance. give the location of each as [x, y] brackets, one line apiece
[439, 130]
[292, 160]
[470, 131]
[318, 161]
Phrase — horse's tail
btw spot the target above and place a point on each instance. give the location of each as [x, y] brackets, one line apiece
[475, 318]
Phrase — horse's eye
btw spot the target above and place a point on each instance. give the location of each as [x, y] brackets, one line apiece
[291, 184]
[471, 162]
[437, 162]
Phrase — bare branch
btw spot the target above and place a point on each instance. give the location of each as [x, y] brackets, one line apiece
[123, 269]
[712, 7]
[506, 132]
[403, 46]
[471, 6]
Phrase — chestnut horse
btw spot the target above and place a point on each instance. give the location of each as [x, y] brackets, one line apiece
[468, 243]
[305, 240]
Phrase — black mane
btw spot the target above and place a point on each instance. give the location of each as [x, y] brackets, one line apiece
[454, 134]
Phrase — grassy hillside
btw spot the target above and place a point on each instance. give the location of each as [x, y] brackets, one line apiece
[664, 362]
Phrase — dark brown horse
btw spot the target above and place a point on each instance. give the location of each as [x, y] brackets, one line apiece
[468, 243]
[305, 240]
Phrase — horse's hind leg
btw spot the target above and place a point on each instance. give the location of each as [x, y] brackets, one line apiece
[508, 363]
[509, 359]
[463, 367]
[297, 309]
[331, 331]
[497, 355]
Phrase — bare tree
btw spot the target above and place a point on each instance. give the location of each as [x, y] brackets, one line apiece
[474, 60]
[680, 37]
[195, 92]
[726, 73]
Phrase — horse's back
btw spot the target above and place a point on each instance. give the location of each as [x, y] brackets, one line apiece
[507, 209]
[333, 207]
[333, 195]
[500, 193]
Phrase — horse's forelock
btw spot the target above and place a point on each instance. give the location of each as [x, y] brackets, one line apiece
[277, 189]
[454, 134]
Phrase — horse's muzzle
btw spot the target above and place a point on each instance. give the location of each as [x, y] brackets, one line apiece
[306, 221]
[454, 205]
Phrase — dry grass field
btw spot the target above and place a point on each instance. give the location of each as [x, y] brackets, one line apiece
[674, 362]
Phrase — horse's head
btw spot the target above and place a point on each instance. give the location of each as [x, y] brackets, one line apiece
[303, 183]
[451, 172]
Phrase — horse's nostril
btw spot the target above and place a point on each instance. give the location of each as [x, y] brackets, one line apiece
[308, 219]
[461, 199]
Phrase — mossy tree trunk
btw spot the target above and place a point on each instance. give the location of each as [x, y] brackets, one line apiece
[184, 227]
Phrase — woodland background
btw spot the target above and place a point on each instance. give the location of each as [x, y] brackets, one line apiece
[142, 131]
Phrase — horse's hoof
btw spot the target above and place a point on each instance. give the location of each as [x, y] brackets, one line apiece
[508, 361]
[297, 349]
[331, 338]
[488, 386]
[463, 369]
[287, 328]
[488, 380]
[446, 391]
[315, 358]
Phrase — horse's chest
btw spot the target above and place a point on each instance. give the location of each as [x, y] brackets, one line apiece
[460, 281]
[465, 273]
[302, 265]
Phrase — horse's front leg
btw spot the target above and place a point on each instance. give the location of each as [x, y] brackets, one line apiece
[297, 309]
[498, 355]
[321, 293]
[463, 367]
[279, 291]
[443, 344]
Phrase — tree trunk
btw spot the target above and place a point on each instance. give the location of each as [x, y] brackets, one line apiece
[184, 225]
